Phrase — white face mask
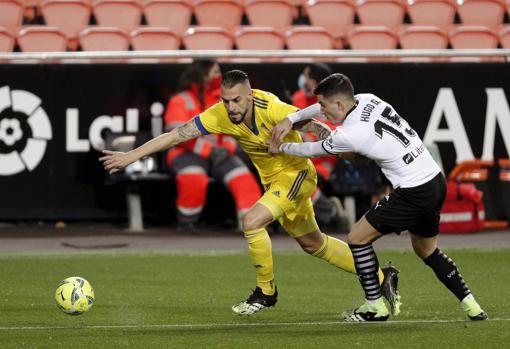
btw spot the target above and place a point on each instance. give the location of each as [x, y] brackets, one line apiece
[301, 82]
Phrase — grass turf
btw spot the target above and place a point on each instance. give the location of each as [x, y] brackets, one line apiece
[151, 300]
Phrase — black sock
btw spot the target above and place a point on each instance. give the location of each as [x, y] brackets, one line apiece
[447, 272]
[367, 267]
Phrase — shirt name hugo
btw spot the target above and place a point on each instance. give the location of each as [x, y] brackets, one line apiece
[368, 109]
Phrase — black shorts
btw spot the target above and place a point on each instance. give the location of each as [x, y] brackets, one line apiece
[415, 209]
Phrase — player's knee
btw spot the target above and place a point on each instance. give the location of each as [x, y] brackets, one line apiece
[252, 221]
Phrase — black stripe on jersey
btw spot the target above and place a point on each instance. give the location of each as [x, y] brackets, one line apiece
[327, 151]
[260, 100]
[297, 184]
[261, 106]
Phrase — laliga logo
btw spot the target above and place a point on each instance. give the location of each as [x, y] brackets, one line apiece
[24, 131]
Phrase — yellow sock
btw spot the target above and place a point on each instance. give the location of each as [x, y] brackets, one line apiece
[338, 253]
[260, 251]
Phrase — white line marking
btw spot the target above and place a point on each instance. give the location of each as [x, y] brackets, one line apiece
[232, 325]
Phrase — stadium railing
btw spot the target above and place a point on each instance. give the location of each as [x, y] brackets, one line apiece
[235, 56]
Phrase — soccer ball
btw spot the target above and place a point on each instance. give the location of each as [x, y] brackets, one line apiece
[74, 295]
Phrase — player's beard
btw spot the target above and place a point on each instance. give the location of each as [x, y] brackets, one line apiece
[237, 122]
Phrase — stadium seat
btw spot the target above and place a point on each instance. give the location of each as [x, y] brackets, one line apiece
[103, 39]
[372, 38]
[259, 38]
[309, 38]
[474, 37]
[388, 13]
[225, 14]
[464, 36]
[504, 37]
[488, 13]
[423, 37]
[153, 38]
[7, 40]
[336, 16]
[123, 14]
[41, 39]
[70, 16]
[172, 14]
[11, 15]
[207, 38]
[439, 13]
[270, 13]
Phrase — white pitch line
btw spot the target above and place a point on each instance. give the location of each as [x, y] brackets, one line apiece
[216, 325]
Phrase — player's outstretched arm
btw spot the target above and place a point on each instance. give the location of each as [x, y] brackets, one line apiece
[279, 132]
[319, 129]
[302, 150]
[114, 161]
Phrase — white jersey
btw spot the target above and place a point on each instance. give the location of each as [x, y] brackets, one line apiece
[375, 130]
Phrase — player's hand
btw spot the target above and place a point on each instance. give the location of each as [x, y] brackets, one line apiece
[274, 147]
[279, 132]
[114, 161]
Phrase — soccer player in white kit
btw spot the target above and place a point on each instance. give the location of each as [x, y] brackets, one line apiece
[373, 129]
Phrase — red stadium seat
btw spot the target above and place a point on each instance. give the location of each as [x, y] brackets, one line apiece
[473, 37]
[259, 38]
[372, 38]
[225, 14]
[336, 16]
[123, 14]
[464, 36]
[70, 16]
[504, 37]
[152, 38]
[488, 13]
[270, 13]
[388, 13]
[11, 14]
[207, 38]
[309, 38]
[439, 13]
[103, 39]
[173, 14]
[423, 37]
[41, 39]
[7, 40]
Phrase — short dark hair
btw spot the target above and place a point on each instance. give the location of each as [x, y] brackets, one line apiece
[319, 71]
[234, 77]
[335, 84]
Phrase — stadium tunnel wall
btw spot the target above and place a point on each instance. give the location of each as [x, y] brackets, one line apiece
[50, 169]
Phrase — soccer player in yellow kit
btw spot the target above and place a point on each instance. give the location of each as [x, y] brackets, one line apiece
[248, 115]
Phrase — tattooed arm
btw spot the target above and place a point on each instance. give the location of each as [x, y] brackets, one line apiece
[319, 129]
[114, 161]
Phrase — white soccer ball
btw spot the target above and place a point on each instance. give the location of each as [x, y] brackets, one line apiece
[74, 295]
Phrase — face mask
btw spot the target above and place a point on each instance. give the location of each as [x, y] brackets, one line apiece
[215, 83]
[301, 82]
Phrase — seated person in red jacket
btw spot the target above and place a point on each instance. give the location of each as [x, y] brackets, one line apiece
[195, 161]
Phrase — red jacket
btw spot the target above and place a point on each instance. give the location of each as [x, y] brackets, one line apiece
[183, 107]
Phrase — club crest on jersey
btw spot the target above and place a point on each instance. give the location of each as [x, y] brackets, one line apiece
[276, 193]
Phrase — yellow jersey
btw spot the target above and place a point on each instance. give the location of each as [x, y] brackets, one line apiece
[268, 111]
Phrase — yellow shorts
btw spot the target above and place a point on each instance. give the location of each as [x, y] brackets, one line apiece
[288, 199]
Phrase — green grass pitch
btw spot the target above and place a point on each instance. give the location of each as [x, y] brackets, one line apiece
[158, 300]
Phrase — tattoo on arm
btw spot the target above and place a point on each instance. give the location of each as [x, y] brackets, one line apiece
[188, 131]
[320, 130]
